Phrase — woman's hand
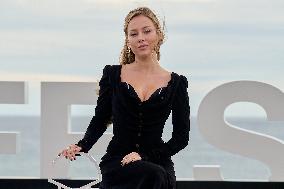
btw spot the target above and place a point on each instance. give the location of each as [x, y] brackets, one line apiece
[133, 156]
[70, 152]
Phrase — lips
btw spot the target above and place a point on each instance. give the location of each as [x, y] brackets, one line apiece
[142, 46]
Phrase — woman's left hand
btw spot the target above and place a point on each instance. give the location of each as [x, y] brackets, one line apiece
[133, 156]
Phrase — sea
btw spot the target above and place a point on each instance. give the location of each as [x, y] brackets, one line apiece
[26, 163]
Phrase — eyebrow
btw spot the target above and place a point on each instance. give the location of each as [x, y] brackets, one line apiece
[142, 28]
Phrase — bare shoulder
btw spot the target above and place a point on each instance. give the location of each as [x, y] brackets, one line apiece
[165, 72]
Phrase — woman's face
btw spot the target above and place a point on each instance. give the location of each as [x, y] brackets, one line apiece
[142, 36]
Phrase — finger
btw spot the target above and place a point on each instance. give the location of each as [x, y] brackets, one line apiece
[77, 149]
[138, 157]
[129, 160]
[64, 153]
[124, 160]
[73, 156]
[70, 155]
[124, 163]
[73, 147]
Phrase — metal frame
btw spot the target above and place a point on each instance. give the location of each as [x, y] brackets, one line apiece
[87, 186]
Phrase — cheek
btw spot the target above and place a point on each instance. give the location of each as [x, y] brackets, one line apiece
[153, 39]
[153, 43]
[131, 43]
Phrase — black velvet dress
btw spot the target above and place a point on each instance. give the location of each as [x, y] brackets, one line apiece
[138, 127]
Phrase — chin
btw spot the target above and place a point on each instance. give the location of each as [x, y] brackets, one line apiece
[144, 54]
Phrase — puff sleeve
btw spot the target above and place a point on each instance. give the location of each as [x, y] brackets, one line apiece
[103, 112]
[180, 122]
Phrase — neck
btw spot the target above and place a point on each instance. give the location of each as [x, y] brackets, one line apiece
[147, 64]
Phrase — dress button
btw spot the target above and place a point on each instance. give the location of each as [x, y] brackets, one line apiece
[140, 126]
[139, 134]
[137, 145]
[162, 98]
[140, 104]
[140, 114]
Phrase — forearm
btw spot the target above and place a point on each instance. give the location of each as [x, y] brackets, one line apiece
[94, 131]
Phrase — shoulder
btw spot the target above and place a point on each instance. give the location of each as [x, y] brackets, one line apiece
[111, 73]
[109, 69]
[181, 79]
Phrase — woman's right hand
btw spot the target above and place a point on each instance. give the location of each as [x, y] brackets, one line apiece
[70, 152]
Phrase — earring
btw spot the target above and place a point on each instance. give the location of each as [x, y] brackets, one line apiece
[156, 49]
[156, 52]
[128, 52]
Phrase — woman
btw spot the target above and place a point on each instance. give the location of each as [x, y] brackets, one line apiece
[137, 96]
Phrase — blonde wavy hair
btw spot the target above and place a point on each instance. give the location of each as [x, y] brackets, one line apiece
[126, 55]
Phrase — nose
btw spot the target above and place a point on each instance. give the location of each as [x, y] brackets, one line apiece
[141, 37]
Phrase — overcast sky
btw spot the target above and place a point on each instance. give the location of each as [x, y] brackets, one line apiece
[211, 42]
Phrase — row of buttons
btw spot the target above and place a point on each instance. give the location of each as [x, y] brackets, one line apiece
[140, 123]
[139, 126]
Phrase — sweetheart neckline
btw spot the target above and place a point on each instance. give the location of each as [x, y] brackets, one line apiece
[152, 94]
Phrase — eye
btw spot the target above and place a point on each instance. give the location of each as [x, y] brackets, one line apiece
[147, 31]
[133, 34]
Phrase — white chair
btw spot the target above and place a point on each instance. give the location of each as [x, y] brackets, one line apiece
[87, 186]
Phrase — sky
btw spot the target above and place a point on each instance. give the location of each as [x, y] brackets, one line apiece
[211, 42]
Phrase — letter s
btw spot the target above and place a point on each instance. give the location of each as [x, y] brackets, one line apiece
[265, 148]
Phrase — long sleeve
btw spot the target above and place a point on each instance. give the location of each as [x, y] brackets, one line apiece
[181, 125]
[103, 112]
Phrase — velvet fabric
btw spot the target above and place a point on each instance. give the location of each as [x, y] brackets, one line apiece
[138, 127]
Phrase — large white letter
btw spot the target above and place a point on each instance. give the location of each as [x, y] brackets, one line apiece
[11, 92]
[267, 149]
[56, 100]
